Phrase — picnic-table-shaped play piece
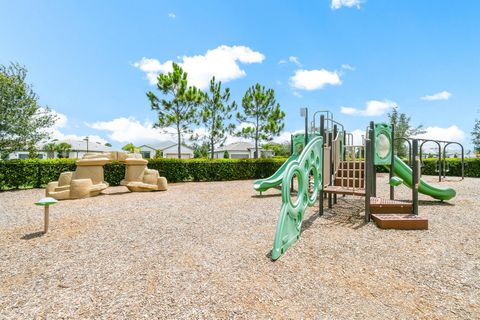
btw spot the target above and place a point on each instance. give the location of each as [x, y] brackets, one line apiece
[88, 178]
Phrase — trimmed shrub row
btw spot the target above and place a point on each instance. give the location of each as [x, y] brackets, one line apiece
[454, 167]
[31, 173]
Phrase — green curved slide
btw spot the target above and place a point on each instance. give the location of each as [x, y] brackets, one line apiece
[275, 179]
[402, 170]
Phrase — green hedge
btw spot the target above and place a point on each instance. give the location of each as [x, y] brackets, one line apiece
[454, 166]
[16, 174]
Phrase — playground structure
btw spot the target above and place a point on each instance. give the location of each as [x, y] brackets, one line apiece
[326, 163]
[88, 178]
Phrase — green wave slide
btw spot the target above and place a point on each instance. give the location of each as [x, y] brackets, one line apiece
[402, 170]
[275, 179]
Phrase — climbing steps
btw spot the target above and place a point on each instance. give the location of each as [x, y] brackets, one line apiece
[381, 205]
[349, 179]
[393, 214]
[400, 221]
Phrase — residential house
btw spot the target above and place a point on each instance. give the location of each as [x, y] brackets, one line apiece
[165, 149]
[241, 150]
[78, 149]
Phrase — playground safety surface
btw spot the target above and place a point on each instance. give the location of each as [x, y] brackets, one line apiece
[201, 250]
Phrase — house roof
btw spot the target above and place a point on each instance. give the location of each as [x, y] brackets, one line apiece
[162, 145]
[238, 146]
[81, 145]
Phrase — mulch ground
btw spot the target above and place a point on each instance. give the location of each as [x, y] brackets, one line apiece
[201, 251]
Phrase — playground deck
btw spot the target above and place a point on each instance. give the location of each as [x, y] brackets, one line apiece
[201, 250]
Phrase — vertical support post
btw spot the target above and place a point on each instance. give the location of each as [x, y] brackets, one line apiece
[321, 195]
[392, 161]
[367, 180]
[334, 145]
[330, 171]
[45, 219]
[439, 163]
[306, 127]
[291, 153]
[373, 173]
[415, 179]
[463, 164]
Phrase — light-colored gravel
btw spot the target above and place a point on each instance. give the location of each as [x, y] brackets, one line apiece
[201, 250]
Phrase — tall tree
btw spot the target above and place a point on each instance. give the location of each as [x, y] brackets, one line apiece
[22, 120]
[476, 135]
[403, 130]
[216, 110]
[262, 114]
[180, 106]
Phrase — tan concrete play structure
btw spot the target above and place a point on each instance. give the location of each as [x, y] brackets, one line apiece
[88, 179]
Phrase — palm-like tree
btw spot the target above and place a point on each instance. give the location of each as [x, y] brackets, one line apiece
[50, 148]
[64, 149]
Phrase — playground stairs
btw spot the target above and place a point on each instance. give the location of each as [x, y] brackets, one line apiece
[393, 214]
[349, 179]
[387, 214]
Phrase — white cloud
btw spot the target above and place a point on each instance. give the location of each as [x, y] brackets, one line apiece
[172, 15]
[61, 122]
[443, 95]
[294, 60]
[373, 108]
[127, 130]
[452, 133]
[347, 67]
[337, 4]
[358, 136]
[222, 62]
[282, 61]
[314, 79]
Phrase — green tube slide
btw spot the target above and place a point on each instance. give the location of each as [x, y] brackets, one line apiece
[275, 179]
[402, 170]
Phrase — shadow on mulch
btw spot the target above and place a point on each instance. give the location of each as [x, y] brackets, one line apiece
[347, 213]
[267, 195]
[33, 235]
[434, 203]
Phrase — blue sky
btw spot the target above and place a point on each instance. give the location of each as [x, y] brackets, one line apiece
[90, 60]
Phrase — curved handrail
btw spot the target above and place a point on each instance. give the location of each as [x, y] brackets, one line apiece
[292, 212]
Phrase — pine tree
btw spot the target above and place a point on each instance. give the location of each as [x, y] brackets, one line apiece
[476, 135]
[215, 112]
[262, 114]
[179, 108]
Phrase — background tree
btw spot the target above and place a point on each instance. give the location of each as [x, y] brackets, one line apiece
[22, 120]
[216, 110]
[476, 136]
[263, 115]
[50, 148]
[130, 147]
[108, 144]
[280, 149]
[226, 155]
[200, 150]
[403, 129]
[181, 103]
[64, 149]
